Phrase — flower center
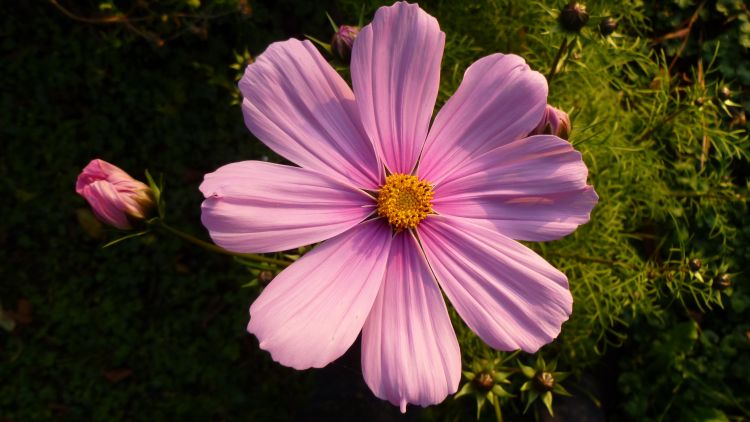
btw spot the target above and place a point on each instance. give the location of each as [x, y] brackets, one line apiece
[404, 200]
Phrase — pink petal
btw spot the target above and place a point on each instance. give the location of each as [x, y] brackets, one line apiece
[106, 203]
[409, 350]
[499, 101]
[531, 189]
[313, 311]
[302, 109]
[396, 75]
[507, 294]
[252, 206]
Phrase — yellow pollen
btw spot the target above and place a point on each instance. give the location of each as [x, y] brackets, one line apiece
[404, 200]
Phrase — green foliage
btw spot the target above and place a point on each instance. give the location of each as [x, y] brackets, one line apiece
[151, 331]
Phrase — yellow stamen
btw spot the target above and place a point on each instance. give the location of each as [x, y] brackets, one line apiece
[404, 200]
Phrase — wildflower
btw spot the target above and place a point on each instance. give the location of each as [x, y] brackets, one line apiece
[115, 197]
[401, 209]
[554, 122]
[342, 41]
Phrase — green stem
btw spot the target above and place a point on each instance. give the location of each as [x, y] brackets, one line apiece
[558, 56]
[214, 248]
[662, 122]
[498, 412]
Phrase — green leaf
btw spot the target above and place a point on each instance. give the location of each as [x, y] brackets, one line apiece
[130, 236]
[704, 414]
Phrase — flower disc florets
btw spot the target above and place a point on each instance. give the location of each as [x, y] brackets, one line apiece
[404, 200]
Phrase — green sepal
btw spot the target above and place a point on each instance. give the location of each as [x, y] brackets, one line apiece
[533, 394]
[157, 190]
[528, 371]
[560, 376]
[539, 364]
[333, 24]
[559, 389]
[469, 375]
[481, 399]
[526, 386]
[547, 400]
[324, 45]
[468, 388]
[499, 391]
[501, 377]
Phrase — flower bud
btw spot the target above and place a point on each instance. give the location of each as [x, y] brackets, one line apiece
[574, 16]
[265, 277]
[695, 264]
[343, 40]
[484, 381]
[114, 196]
[554, 122]
[722, 281]
[607, 26]
[544, 381]
[725, 93]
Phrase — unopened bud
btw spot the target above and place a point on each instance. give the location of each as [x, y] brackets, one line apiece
[484, 381]
[265, 276]
[574, 16]
[725, 93]
[695, 264]
[554, 122]
[343, 40]
[722, 281]
[544, 381]
[116, 198]
[607, 26]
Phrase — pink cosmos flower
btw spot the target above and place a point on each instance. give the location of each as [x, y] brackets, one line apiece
[114, 196]
[402, 208]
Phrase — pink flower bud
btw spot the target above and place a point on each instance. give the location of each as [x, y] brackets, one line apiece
[554, 122]
[343, 40]
[114, 196]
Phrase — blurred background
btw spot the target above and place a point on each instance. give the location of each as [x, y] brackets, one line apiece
[153, 328]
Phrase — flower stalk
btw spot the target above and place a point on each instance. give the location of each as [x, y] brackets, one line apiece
[160, 224]
[556, 61]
